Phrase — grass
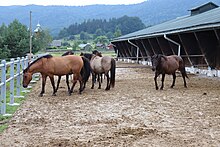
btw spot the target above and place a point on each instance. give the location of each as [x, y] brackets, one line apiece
[10, 109]
[3, 127]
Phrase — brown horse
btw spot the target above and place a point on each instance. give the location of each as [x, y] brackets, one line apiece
[103, 65]
[168, 65]
[67, 76]
[49, 66]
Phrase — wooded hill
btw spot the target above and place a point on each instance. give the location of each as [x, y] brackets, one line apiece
[56, 18]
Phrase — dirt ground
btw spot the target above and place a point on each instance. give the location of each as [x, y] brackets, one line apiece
[131, 114]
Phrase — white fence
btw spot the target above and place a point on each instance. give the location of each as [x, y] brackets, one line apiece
[8, 79]
[193, 70]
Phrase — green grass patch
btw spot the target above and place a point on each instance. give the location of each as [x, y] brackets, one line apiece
[10, 109]
[3, 127]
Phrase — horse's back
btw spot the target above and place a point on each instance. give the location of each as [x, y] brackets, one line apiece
[101, 64]
[96, 65]
[171, 63]
[106, 62]
[66, 64]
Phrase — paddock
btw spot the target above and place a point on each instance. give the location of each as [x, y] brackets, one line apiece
[131, 114]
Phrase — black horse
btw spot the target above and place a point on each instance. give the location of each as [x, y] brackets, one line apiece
[168, 65]
[67, 76]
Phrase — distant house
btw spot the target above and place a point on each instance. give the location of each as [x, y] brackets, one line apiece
[56, 43]
[100, 45]
[86, 47]
[110, 46]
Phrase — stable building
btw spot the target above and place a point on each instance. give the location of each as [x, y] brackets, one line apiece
[196, 38]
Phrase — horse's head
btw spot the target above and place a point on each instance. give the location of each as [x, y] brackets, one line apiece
[155, 60]
[68, 53]
[99, 54]
[27, 77]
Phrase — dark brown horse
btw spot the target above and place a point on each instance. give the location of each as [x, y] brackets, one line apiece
[168, 65]
[67, 76]
[49, 66]
[103, 65]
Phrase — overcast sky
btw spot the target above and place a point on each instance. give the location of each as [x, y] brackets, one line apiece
[67, 2]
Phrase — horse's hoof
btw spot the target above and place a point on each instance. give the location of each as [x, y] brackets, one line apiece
[171, 86]
[54, 94]
[40, 95]
[69, 94]
[157, 88]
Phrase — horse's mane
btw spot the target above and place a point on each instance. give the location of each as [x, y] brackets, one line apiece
[68, 53]
[45, 56]
[159, 56]
[87, 55]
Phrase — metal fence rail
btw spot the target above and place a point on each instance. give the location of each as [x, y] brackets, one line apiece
[15, 75]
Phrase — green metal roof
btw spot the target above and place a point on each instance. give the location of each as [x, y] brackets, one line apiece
[208, 19]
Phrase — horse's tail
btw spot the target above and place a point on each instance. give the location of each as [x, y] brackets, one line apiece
[86, 70]
[182, 69]
[113, 67]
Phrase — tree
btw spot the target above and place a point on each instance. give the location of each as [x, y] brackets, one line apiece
[41, 40]
[17, 39]
[102, 40]
[4, 51]
[117, 32]
[14, 40]
[110, 35]
[99, 32]
[84, 36]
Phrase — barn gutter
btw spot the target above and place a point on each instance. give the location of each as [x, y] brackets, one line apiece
[165, 36]
[136, 47]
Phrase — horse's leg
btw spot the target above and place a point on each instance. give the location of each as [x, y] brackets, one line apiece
[155, 80]
[44, 78]
[101, 75]
[184, 79]
[174, 79]
[93, 80]
[99, 81]
[67, 83]
[163, 77]
[53, 85]
[75, 78]
[108, 84]
[81, 84]
[58, 82]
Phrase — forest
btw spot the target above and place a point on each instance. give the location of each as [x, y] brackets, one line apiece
[99, 27]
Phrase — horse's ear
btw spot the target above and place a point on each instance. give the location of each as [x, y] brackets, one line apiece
[154, 56]
[163, 56]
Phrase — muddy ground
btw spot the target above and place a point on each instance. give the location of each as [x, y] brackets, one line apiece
[131, 114]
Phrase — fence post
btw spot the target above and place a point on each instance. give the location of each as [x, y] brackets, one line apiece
[22, 68]
[3, 88]
[18, 84]
[24, 65]
[12, 84]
